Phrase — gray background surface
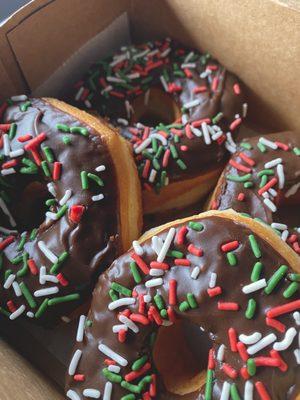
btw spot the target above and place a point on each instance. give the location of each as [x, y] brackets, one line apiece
[7, 7]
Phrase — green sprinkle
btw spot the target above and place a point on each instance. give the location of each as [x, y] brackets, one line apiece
[263, 181]
[276, 278]
[217, 118]
[61, 211]
[254, 246]
[63, 128]
[256, 271]
[17, 260]
[56, 266]
[251, 308]
[22, 242]
[28, 296]
[121, 289]
[181, 164]
[63, 299]
[156, 164]
[248, 185]
[7, 273]
[234, 392]
[267, 172]
[251, 367]
[296, 150]
[246, 146]
[78, 129]
[159, 152]
[175, 254]
[231, 258]
[128, 397]
[154, 144]
[50, 202]
[132, 388]
[237, 178]
[84, 180]
[261, 147]
[12, 131]
[159, 301]
[33, 234]
[163, 178]
[173, 151]
[31, 167]
[143, 382]
[192, 300]
[23, 271]
[291, 290]
[113, 295]
[88, 323]
[24, 107]
[135, 272]
[184, 306]
[111, 376]
[294, 277]
[42, 308]
[164, 313]
[45, 168]
[48, 154]
[139, 363]
[66, 140]
[209, 384]
[196, 226]
[96, 179]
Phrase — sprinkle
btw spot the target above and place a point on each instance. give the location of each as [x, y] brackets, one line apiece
[270, 205]
[48, 253]
[251, 367]
[66, 197]
[274, 323]
[167, 243]
[46, 292]
[221, 353]
[227, 306]
[213, 280]
[74, 362]
[254, 246]
[154, 282]
[26, 293]
[98, 197]
[237, 178]
[107, 391]
[251, 308]
[229, 370]
[276, 278]
[121, 289]
[91, 393]
[209, 384]
[256, 271]
[72, 395]
[261, 344]
[63, 299]
[130, 324]
[284, 309]
[268, 143]
[231, 258]
[230, 246]
[232, 339]
[297, 355]
[216, 291]
[250, 339]
[262, 391]
[253, 287]
[141, 263]
[234, 392]
[281, 177]
[125, 301]
[172, 292]
[137, 248]
[296, 316]
[9, 281]
[206, 135]
[248, 391]
[287, 341]
[80, 329]
[195, 273]
[111, 354]
[242, 351]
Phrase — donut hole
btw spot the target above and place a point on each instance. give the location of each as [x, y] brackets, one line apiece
[155, 108]
[180, 355]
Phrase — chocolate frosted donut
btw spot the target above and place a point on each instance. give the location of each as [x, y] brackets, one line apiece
[225, 273]
[69, 194]
[263, 179]
[177, 107]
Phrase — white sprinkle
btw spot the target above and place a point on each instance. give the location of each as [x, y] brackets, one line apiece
[7, 213]
[100, 168]
[20, 97]
[250, 339]
[118, 59]
[8, 231]
[129, 109]
[225, 394]
[72, 395]
[91, 393]
[213, 280]
[124, 301]
[287, 341]
[108, 88]
[87, 103]
[184, 119]
[74, 362]
[51, 188]
[114, 79]
[142, 146]
[48, 253]
[156, 272]
[80, 328]
[217, 135]
[107, 391]
[165, 53]
[273, 163]
[17, 289]
[114, 368]
[196, 132]
[159, 137]
[189, 57]
[79, 93]
[188, 65]
[281, 177]
[154, 282]
[9, 281]
[98, 197]
[268, 143]
[245, 110]
[248, 392]
[118, 328]
[137, 248]
[253, 287]
[111, 354]
[152, 175]
[205, 74]
[292, 190]
[157, 244]
[167, 243]
[280, 227]
[206, 134]
[192, 103]
[6, 144]
[221, 353]
[46, 292]
[122, 121]
[43, 277]
[230, 148]
[153, 52]
[266, 195]
[130, 324]
[146, 97]
[66, 197]
[297, 355]
[164, 83]
[195, 272]
[133, 75]
[30, 314]
[51, 215]
[270, 205]
[284, 235]
[296, 316]
[261, 344]
[16, 153]
[147, 298]
[272, 192]
[65, 319]
[17, 313]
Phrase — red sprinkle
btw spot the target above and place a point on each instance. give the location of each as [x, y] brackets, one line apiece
[11, 306]
[267, 186]
[141, 263]
[199, 89]
[262, 391]
[172, 292]
[229, 370]
[188, 73]
[247, 159]
[282, 364]
[239, 166]
[171, 314]
[230, 246]
[215, 84]
[188, 131]
[232, 335]
[227, 306]
[282, 146]
[155, 314]
[244, 373]
[159, 265]
[108, 361]
[32, 266]
[196, 251]
[166, 158]
[136, 374]
[62, 280]
[139, 318]
[184, 262]
[24, 138]
[79, 378]
[76, 212]
[9, 164]
[216, 291]
[142, 304]
[266, 362]
[242, 351]
[4, 127]
[236, 89]
[181, 235]
[235, 124]
[6, 242]
[152, 388]
[56, 170]
[35, 142]
[241, 197]
[279, 326]
[211, 359]
[122, 335]
[284, 309]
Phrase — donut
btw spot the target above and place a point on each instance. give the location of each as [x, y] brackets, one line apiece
[263, 179]
[70, 203]
[225, 273]
[177, 107]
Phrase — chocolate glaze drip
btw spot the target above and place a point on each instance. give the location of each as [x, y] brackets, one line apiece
[206, 315]
[227, 192]
[221, 93]
[92, 243]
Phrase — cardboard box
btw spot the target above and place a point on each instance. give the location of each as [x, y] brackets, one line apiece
[48, 43]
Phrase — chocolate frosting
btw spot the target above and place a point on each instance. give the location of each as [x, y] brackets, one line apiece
[89, 237]
[233, 194]
[193, 304]
[118, 88]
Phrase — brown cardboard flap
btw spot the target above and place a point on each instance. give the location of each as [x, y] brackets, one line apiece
[258, 40]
